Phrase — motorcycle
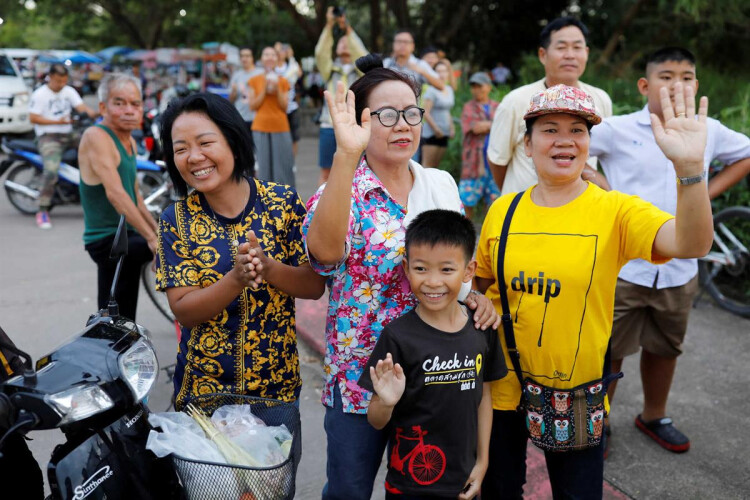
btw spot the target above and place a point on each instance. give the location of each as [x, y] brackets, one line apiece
[25, 173]
[94, 389]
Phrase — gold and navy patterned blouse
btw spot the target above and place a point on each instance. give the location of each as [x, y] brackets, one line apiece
[251, 346]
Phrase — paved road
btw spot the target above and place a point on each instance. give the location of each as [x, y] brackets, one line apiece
[49, 286]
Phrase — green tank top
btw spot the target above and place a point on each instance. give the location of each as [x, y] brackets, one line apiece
[99, 216]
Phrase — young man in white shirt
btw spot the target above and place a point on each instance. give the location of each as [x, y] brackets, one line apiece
[563, 52]
[404, 61]
[652, 302]
[49, 111]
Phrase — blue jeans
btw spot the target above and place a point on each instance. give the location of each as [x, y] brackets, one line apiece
[355, 450]
[572, 474]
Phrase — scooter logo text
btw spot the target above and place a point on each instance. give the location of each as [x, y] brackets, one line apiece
[92, 483]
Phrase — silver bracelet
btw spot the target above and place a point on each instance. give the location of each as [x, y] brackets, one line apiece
[686, 181]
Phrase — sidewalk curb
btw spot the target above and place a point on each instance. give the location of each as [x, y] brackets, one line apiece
[311, 319]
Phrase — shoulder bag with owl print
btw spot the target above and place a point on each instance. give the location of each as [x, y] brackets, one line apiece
[557, 419]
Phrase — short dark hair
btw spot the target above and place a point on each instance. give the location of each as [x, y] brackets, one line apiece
[429, 50]
[405, 30]
[245, 47]
[446, 227]
[530, 123]
[375, 74]
[674, 54]
[58, 69]
[556, 25]
[226, 117]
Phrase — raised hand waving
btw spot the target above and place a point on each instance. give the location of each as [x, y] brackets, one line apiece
[682, 138]
[351, 138]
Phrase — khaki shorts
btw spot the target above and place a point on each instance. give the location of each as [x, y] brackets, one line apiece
[655, 319]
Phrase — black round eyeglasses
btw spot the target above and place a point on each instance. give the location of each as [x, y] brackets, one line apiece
[389, 116]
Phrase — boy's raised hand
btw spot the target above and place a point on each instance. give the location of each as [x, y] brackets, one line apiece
[682, 138]
[388, 380]
[350, 137]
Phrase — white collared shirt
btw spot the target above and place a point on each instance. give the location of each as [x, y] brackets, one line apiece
[634, 164]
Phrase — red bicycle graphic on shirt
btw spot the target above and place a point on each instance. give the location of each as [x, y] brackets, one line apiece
[426, 461]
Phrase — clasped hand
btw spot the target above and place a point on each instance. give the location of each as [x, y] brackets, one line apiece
[252, 264]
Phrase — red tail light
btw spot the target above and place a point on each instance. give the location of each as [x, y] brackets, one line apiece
[149, 143]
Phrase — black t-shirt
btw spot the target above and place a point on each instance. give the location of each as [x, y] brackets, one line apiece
[439, 408]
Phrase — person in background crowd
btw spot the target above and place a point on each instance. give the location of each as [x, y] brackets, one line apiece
[653, 302]
[476, 119]
[238, 92]
[438, 126]
[403, 60]
[349, 48]
[452, 80]
[430, 56]
[500, 74]
[289, 68]
[50, 112]
[109, 189]
[268, 95]
[563, 52]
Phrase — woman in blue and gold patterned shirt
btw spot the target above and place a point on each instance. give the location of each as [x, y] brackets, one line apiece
[231, 259]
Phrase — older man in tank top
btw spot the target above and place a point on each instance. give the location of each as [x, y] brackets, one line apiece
[109, 189]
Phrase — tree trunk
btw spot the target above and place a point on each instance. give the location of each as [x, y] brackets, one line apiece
[400, 9]
[614, 40]
[304, 23]
[457, 20]
[114, 9]
[376, 27]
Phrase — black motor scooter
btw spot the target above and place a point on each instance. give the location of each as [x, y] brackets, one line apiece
[93, 388]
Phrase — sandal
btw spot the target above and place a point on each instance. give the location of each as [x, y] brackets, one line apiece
[664, 432]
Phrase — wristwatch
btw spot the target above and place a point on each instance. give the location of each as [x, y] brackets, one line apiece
[686, 181]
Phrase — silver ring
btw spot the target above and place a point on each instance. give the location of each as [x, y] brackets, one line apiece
[679, 115]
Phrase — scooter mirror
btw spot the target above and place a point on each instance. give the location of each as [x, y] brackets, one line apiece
[120, 243]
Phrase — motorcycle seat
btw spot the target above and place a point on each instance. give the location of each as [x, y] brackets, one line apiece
[24, 144]
[69, 156]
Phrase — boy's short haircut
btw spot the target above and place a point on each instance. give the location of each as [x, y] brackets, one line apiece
[665, 54]
[446, 227]
[545, 37]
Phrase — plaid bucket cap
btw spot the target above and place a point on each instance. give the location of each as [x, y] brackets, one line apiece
[563, 99]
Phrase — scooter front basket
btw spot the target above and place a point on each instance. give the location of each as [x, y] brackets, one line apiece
[215, 481]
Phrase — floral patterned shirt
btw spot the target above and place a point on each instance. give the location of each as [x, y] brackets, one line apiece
[251, 346]
[368, 288]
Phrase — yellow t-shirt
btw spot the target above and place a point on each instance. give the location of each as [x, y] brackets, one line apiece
[561, 267]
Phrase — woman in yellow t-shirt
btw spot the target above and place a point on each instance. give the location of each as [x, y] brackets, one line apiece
[566, 243]
[269, 96]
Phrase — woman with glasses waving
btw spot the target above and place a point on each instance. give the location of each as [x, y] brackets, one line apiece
[354, 233]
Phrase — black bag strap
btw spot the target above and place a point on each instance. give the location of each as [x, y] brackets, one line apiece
[507, 320]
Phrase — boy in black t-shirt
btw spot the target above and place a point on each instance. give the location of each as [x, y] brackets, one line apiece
[430, 370]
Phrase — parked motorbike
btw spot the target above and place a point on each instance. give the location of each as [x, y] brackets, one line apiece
[93, 388]
[25, 174]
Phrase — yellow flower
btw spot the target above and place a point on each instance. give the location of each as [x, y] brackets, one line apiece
[206, 256]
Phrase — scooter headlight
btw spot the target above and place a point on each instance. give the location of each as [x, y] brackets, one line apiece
[139, 368]
[80, 402]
